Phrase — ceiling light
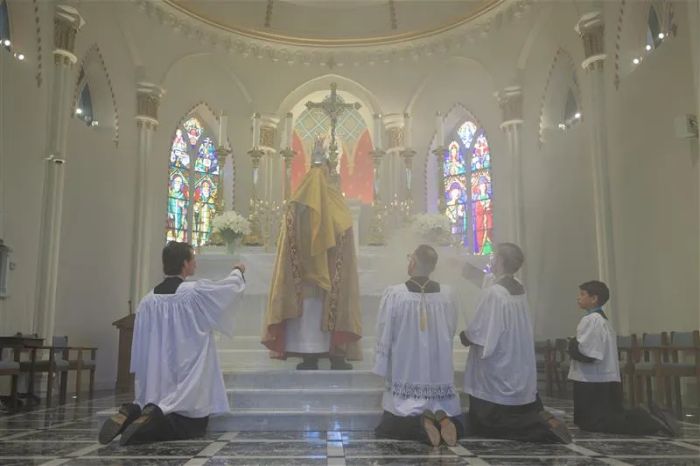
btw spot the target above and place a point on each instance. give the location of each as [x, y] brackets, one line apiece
[648, 47]
[6, 42]
[636, 61]
[577, 115]
[94, 123]
[562, 126]
[661, 35]
[78, 111]
[20, 56]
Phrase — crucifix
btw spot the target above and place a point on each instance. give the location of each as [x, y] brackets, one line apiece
[333, 106]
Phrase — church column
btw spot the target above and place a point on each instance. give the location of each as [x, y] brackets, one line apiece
[511, 103]
[591, 29]
[67, 22]
[147, 101]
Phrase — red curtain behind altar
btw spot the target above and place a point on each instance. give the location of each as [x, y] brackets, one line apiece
[355, 185]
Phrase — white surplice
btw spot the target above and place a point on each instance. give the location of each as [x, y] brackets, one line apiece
[416, 364]
[173, 355]
[501, 362]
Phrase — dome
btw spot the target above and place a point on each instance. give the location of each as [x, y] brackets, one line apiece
[336, 22]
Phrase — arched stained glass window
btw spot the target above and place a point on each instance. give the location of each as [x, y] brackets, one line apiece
[193, 184]
[5, 39]
[654, 39]
[467, 188]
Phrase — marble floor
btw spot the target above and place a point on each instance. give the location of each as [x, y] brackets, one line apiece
[67, 435]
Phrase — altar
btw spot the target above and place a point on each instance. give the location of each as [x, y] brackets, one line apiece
[379, 267]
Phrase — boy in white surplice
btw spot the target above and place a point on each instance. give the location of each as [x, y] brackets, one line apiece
[416, 325]
[173, 355]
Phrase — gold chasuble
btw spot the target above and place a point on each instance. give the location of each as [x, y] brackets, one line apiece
[316, 250]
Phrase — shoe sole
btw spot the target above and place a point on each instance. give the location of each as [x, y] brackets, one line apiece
[666, 419]
[132, 429]
[111, 428]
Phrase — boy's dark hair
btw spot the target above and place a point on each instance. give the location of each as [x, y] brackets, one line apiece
[511, 255]
[174, 256]
[598, 289]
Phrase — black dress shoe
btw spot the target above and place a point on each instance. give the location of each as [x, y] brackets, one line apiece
[145, 428]
[310, 363]
[339, 364]
[115, 425]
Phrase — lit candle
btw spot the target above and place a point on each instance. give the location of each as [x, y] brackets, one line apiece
[289, 129]
[406, 131]
[439, 129]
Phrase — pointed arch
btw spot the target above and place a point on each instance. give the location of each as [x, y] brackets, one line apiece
[195, 179]
[562, 82]
[95, 83]
[467, 184]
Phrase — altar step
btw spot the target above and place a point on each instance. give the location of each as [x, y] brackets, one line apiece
[279, 400]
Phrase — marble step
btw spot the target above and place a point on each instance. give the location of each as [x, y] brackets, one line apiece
[320, 379]
[294, 420]
[305, 399]
[233, 359]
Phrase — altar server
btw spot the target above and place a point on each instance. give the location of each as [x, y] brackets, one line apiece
[173, 355]
[416, 326]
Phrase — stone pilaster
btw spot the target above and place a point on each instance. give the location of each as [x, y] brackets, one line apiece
[591, 30]
[67, 23]
[148, 98]
[511, 103]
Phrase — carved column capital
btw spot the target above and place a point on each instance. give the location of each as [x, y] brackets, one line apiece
[67, 23]
[591, 28]
[147, 102]
[510, 100]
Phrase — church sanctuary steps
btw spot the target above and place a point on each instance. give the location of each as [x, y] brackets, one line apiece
[279, 400]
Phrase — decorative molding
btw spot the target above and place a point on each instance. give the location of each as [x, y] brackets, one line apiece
[560, 55]
[392, 15]
[510, 100]
[618, 39]
[268, 13]
[37, 22]
[147, 102]
[94, 54]
[67, 23]
[331, 56]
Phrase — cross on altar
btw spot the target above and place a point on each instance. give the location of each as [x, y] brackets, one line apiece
[333, 106]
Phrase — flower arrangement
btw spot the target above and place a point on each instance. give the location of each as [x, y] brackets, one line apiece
[433, 228]
[231, 226]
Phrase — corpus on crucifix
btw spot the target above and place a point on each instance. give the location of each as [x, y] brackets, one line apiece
[333, 106]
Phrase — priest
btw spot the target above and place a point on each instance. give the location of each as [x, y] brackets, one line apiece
[178, 383]
[313, 309]
[416, 325]
[501, 375]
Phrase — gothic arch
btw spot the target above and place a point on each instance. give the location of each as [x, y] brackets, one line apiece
[93, 71]
[561, 77]
[631, 30]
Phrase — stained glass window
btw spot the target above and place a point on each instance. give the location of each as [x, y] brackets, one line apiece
[193, 184]
[467, 188]
[653, 29]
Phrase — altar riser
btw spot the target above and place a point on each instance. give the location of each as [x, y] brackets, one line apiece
[307, 400]
[260, 359]
[309, 380]
[271, 421]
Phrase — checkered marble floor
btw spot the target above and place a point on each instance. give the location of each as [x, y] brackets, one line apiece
[67, 435]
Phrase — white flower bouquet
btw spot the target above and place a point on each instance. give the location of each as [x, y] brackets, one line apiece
[433, 228]
[231, 226]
